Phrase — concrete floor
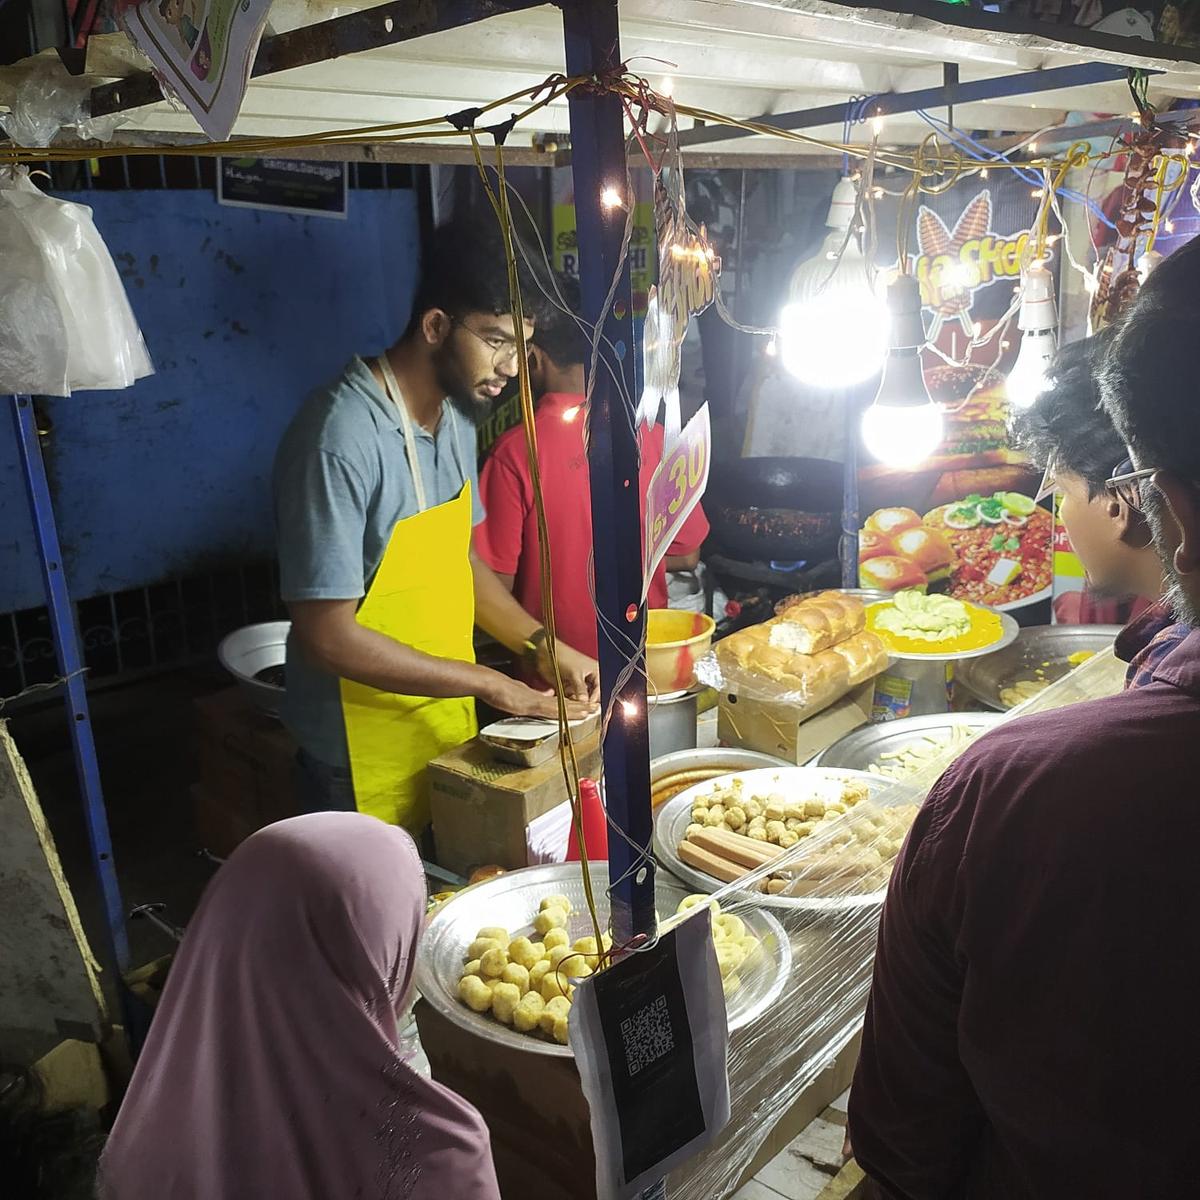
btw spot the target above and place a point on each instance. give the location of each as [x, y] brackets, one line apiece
[143, 743]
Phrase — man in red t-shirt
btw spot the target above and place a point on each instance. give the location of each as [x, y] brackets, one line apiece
[508, 539]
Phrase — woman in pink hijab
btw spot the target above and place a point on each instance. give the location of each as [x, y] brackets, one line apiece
[272, 1070]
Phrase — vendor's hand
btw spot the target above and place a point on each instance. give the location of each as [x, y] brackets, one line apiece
[512, 696]
[580, 674]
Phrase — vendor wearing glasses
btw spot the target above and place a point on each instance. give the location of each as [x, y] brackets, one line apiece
[376, 494]
[1067, 432]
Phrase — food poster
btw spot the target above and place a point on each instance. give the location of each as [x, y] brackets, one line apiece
[965, 522]
[205, 50]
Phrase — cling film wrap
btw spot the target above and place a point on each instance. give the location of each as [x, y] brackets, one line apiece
[830, 886]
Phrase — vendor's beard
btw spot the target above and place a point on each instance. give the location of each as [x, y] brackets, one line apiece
[460, 394]
[1175, 596]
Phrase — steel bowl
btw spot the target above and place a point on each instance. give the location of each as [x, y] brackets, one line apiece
[860, 750]
[249, 651]
[1044, 648]
[512, 900]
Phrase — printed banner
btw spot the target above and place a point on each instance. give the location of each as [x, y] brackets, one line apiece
[964, 522]
[205, 50]
[676, 489]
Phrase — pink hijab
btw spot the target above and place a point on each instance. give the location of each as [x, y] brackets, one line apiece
[272, 1071]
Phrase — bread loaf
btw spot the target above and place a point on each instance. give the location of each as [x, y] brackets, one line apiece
[834, 671]
[864, 654]
[817, 624]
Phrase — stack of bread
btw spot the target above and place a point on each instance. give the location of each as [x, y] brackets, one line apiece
[811, 653]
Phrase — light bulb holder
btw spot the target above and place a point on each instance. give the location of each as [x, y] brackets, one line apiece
[1038, 313]
[907, 325]
[842, 204]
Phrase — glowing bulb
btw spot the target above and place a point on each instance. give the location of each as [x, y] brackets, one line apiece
[629, 708]
[773, 346]
[903, 426]
[1033, 147]
[877, 125]
[984, 173]
[668, 87]
[1037, 192]
[569, 414]
[1190, 149]
[1038, 323]
[833, 331]
[610, 198]
[1169, 226]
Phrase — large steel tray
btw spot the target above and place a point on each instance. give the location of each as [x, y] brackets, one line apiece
[858, 750]
[1040, 647]
[672, 819]
[511, 900]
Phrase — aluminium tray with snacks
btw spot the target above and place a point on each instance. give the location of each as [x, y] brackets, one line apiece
[511, 900]
[858, 750]
[672, 819]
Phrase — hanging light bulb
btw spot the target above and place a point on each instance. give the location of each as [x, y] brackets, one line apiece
[903, 426]
[1038, 323]
[833, 330]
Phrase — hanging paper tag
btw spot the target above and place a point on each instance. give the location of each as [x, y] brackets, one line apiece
[205, 50]
[650, 1039]
[675, 489]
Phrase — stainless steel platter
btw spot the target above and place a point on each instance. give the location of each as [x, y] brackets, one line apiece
[511, 900]
[1009, 630]
[253, 649]
[728, 759]
[857, 751]
[672, 819]
[1044, 648]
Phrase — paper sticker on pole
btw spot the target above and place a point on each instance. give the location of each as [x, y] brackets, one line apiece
[675, 490]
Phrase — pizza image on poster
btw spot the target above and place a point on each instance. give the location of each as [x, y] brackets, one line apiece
[965, 521]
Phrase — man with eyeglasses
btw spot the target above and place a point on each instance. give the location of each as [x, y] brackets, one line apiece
[1067, 433]
[376, 494]
[1031, 1029]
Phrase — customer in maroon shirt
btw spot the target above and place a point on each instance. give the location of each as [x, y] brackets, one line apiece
[508, 539]
[1032, 1025]
[1073, 438]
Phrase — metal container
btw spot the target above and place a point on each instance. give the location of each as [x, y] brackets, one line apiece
[249, 651]
[537, 750]
[672, 722]
[1041, 651]
[672, 819]
[727, 758]
[859, 750]
[512, 900]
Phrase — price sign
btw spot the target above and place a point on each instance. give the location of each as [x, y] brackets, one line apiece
[675, 490]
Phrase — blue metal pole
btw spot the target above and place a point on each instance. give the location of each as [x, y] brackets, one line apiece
[70, 666]
[598, 162]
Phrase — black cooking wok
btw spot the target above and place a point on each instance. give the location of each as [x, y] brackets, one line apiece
[775, 509]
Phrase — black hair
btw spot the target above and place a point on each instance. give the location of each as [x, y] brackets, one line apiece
[557, 332]
[463, 270]
[1066, 425]
[1147, 379]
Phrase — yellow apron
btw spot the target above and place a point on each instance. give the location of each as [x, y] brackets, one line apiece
[422, 595]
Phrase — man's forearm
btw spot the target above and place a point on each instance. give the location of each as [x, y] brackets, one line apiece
[497, 613]
[375, 660]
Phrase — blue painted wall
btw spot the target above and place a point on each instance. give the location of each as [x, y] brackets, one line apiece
[244, 312]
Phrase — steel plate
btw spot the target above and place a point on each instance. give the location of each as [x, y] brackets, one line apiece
[672, 819]
[1033, 647]
[511, 900]
[858, 750]
[1009, 629]
[717, 758]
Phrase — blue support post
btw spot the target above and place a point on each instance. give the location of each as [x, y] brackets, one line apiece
[598, 162]
[70, 666]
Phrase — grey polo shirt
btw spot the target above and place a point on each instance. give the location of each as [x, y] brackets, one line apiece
[341, 483]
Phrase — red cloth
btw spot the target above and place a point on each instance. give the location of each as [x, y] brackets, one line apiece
[508, 541]
[1035, 980]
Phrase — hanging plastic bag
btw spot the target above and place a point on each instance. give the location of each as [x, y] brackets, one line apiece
[65, 322]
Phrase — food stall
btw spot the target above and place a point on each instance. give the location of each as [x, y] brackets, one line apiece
[795, 857]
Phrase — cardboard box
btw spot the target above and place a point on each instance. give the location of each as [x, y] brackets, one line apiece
[787, 732]
[245, 761]
[481, 807]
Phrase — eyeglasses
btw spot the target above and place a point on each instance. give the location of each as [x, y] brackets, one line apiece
[1126, 484]
[504, 349]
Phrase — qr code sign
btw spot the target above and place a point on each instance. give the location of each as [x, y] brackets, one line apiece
[647, 1035]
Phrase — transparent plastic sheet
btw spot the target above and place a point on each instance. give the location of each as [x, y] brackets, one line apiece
[832, 930]
[42, 98]
[65, 322]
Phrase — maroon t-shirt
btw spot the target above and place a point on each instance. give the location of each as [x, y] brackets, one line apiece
[1033, 1025]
